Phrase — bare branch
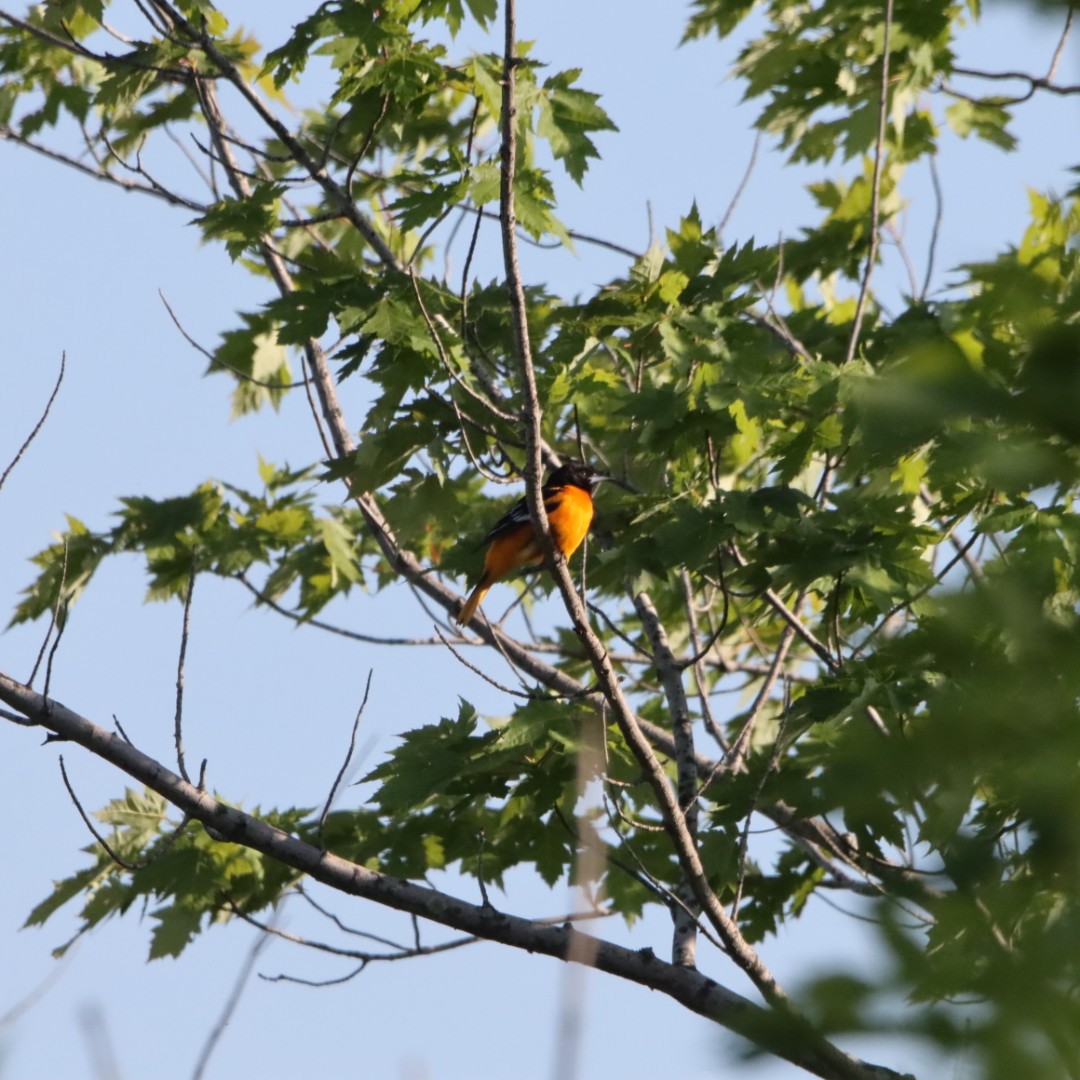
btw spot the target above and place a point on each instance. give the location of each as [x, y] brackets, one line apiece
[230, 1005]
[669, 670]
[935, 230]
[41, 421]
[178, 722]
[216, 362]
[875, 190]
[696, 992]
[750, 165]
[8, 132]
[345, 764]
[90, 825]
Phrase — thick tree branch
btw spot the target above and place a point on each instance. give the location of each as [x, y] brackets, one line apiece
[780, 1034]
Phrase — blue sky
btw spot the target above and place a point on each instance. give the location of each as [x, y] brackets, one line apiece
[271, 707]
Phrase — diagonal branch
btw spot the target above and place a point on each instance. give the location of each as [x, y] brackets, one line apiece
[337, 193]
[38, 426]
[674, 818]
[783, 1035]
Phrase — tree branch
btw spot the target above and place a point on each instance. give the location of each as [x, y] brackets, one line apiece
[875, 191]
[670, 672]
[38, 426]
[783, 1035]
[673, 817]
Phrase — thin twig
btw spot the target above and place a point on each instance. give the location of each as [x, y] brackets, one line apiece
[68, 44]
[178, 721]
[27, 1002]
[750, 165]
[574, 234]
[790, 617]
[696, 662]
[345, 764]
[41, 421]
[90, 825]
[1035, 82]
[8, 132]
[54, 616]
[400, 953]
[330, 628]
[123, 734]
[960, 556]
[300, 891]
[61, 626]
[219, 363]
[483, 675]
[905, 257]
[317, 984]
[771, 767]
[737, 755]
[875, 189]
[230, 1006]
[935, 230]
[448, 367]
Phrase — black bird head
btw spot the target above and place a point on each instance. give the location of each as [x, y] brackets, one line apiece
[575, 474]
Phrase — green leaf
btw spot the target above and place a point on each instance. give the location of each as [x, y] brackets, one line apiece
[983, 118]
[339, 543]
[175, 930]
[566, 117]
[243, 223]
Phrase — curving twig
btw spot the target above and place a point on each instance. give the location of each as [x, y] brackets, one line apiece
[41, 422]
[1035, 82]
[90, 825]
[217, 362]
[345, 764]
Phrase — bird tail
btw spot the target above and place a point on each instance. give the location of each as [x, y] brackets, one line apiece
[475, 597]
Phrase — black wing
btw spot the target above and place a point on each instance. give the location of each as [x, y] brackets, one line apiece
[518, 515]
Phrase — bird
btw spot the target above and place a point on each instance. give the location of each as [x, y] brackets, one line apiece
[512, 542]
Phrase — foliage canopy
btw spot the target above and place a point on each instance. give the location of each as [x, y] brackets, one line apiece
[857, 523]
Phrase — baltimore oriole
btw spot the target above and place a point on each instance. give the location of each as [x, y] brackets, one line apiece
[512, 542]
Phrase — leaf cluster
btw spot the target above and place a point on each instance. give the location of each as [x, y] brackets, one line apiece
[855, 523]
